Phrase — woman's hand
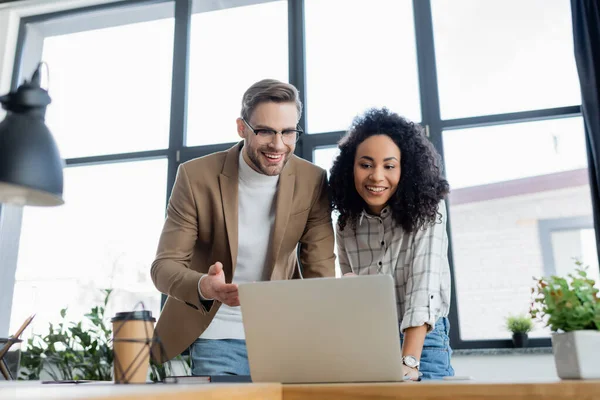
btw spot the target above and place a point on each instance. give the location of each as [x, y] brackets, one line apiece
[350, 274]
[411, 374]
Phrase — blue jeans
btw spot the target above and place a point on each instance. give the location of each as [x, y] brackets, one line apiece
[435, 358]
[219, 357]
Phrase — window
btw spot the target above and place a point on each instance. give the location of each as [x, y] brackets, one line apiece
[324, 157]
[104, 236]
[359, 54]
[231, 48]
[110, 74]
[564, 240]
[578, 244]
[536, 171]
[110, 88]
[519, 151]
[504, 56]
[139, 87]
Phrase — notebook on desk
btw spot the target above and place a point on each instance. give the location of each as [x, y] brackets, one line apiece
[322, 330]
[208, 379]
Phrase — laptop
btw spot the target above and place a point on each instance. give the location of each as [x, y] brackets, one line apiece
[322, 330]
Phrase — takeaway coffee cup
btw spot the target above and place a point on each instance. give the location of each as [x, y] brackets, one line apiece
[132, 340]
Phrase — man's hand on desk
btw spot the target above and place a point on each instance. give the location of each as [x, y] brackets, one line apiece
[214, 287]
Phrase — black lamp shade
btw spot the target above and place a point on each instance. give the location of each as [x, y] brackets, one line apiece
[31, 169]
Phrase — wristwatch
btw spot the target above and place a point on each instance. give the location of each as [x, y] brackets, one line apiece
[411, 361]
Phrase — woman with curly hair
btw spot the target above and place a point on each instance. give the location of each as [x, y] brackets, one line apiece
[388, 188]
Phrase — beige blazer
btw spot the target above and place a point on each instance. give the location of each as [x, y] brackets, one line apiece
[201, 228]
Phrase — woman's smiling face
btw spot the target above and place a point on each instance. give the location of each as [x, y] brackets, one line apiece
[377, 171]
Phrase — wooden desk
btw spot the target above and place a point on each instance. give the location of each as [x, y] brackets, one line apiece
[472, 390]
[110, 391]
[448, 390]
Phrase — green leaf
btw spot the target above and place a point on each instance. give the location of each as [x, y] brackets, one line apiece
[519, 323]
[71, 350]
[567, 304]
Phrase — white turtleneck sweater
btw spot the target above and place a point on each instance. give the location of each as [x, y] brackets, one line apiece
[256, 216]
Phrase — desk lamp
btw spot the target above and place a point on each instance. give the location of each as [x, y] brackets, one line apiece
[31, 170]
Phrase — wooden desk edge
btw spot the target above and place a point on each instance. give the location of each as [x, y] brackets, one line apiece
[212, 391]
[472, 390]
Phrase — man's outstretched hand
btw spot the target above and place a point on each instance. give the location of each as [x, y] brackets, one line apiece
[213, 286]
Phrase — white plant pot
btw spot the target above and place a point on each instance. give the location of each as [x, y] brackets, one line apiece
[576, 354]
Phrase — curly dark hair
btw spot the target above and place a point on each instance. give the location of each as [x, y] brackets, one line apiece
[421, 187]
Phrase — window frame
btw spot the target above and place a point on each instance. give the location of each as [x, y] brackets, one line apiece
[546, 227]
[27, 55]
[177, 152]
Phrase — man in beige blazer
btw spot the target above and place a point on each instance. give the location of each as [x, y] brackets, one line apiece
[239, 216]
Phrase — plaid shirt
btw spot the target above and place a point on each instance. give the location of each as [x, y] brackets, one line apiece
[418, 261]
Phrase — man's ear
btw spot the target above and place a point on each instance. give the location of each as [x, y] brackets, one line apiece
[241, 128]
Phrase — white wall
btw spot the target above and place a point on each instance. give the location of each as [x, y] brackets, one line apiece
[9, 28]
[10, 217]
[496, 250]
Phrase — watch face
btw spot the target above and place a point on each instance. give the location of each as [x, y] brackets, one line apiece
[410, 361]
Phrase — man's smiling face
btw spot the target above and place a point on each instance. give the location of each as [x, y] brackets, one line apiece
[268, 155]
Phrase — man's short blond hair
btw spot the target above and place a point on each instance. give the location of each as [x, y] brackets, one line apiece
[269, 90]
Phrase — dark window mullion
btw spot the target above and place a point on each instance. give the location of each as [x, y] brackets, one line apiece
[311, 142]
[510, 118]
[179, 87]
[189, 153]
[179, 92]
[121, 157]
[499, 343]
[52, 16]
[428, 85]
[431, 117]
[297, 66]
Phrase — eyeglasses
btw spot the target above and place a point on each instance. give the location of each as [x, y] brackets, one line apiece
[288, 136]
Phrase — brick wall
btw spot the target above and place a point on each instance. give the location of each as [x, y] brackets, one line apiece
[497, 251]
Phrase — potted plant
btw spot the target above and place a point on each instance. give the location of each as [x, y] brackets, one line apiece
[520, 326]
[72, 351]
[571, 308]
[80, 350]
